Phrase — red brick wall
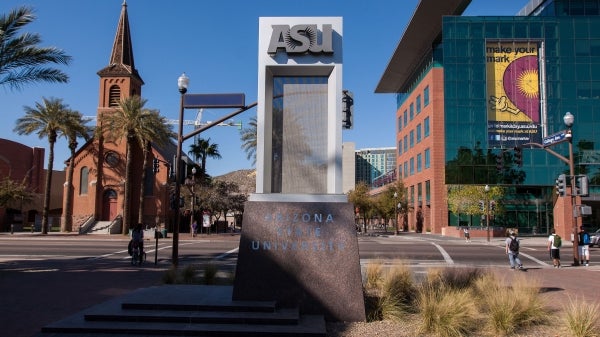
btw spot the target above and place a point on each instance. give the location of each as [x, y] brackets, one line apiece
[436, 212]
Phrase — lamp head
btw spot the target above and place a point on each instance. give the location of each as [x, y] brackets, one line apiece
[193, 171]
[569, 119]
[182, 83]
[487, 188]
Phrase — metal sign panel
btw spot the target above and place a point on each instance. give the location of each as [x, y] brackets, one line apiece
[213, 101]
[556, 138]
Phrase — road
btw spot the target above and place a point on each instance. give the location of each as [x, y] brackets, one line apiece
[46, 278]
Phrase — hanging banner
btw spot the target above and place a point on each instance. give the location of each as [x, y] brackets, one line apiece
[513, 92]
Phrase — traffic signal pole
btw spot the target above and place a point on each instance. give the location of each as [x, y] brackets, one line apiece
[572, 193]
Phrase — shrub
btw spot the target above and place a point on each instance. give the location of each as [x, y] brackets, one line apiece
[373, 275]
[210, 273]
[581, 319]
[508, 309]
[446, 312]
[170, 276]
[188, 274]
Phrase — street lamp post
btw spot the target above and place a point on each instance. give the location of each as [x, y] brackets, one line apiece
[396, 211]
[182, 82]
[569, 119]
[487, 211]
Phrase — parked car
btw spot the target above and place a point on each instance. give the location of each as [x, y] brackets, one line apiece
[595, 238]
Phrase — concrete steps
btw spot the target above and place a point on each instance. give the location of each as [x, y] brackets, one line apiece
[189, 310]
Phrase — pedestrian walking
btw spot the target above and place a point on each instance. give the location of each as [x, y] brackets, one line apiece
[584, 247]
[512, 244]
[554, 243]
[467, 234]
[194, 228]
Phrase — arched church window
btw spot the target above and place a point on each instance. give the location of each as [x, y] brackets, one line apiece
[114, 96]
[83, 180]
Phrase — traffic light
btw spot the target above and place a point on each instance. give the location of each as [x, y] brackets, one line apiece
[518, 156]
[482, 205]
[347, 109]
[155, 165]
[581, 185]
[499, 162]
[561, 185]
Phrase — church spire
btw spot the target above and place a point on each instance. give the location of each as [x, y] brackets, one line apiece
[121, 58]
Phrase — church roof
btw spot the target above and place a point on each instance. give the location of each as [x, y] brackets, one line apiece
[121, 58]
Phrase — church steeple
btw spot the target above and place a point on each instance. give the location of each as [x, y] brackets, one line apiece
[120, 78]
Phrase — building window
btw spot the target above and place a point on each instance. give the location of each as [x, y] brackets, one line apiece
[419, 167]
[427, 192]
[399, 123]
[405, 143]
[114, 96]
[405, 117]
[399, 147]
[412, 195]
[412, 111]
[412, 166]
[418, 104]
[420, 192]
[426, 127]
[405, 169]
[399, 171]
[426, 96]
[418, 133]
[83, 180]
[427, 158]
[412, 138]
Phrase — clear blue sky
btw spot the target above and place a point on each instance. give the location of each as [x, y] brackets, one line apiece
[216, 44]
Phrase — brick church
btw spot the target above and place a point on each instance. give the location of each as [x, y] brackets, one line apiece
[99, 165]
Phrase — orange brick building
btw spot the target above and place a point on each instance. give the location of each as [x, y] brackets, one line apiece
[99, 165]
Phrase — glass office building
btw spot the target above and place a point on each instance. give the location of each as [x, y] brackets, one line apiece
[507, 84]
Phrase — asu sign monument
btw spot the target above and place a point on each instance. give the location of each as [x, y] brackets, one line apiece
[298, 244]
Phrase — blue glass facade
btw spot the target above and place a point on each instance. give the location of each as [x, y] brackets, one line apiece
[572, 83]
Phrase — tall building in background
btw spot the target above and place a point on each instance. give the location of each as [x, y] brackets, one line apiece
[472, 89]
[372, 163]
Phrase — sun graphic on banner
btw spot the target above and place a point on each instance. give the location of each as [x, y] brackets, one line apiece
[528, 84]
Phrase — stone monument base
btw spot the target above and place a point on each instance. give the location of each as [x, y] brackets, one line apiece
[301, 254]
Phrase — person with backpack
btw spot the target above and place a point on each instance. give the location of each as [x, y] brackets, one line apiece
[584, 247]
[512, 250]
[554, 243]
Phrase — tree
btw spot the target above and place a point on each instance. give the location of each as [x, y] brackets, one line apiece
[249, 140]
[466, 199]
[202, 150]
[137, 126]
[387, 201]
[359, 196]
[21, 60]
[11, 192]
[74, 127]
[48, 119]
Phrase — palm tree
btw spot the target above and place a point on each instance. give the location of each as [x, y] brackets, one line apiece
[248, 136]
[47, 119]
[74, 128]
[21, 60]
[203, 149]
[138, 126]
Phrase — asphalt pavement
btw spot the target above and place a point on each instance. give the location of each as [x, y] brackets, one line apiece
[41, 300]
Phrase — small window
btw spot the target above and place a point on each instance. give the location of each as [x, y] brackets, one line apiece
[114, 96]
[419, 167]
[418, 104]
[427, 158]
[83, 180]
[426, 127]
[426, 96]
[418, 133]
[412, 111]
